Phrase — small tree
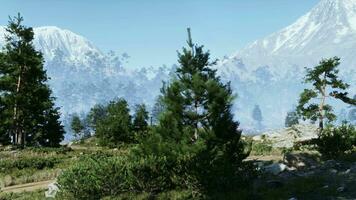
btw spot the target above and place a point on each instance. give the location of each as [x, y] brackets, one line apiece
[116, 127]
[77, 126]
[352, 113]
[257, 116]
[97, 113]
[140, 119]
[157, 110]
[326, 84]
[292, 118]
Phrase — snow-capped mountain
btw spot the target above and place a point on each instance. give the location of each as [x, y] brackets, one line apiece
[81, 75]
[267, 72]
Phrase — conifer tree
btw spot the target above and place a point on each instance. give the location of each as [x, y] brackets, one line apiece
[292, 118]
[326, 84]
[157, 110]
[116, 127]
[140, 124]
[257, 116]
[27, 105]
[97, 113]
[352, 113]
[77, 125]
[198, 104]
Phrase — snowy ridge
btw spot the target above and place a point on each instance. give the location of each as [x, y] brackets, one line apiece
[53, 40]
[328, 30]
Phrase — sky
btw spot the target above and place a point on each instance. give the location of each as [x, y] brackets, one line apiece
[152, 31]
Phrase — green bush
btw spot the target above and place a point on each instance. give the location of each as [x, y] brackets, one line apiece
[31, 162]
[262, 148]
[94, 177]
[335, 141]
[46, 150]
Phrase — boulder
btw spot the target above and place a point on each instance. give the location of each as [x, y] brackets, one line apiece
[275, 168]
[52, 190]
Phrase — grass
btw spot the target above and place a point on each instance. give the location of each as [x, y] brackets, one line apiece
[36, 195]
[301, 188]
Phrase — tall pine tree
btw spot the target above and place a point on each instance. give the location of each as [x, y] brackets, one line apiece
[28, 112]
[326, 84]
[198, 104]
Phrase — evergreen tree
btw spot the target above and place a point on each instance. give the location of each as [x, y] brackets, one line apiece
[326, 84]
[352, 113]
[26, 102]
[198, 105]
[97, 113]
[77, 126]
[116, 127]
[140, 124]
[257, 116]
[292, 118]
[157, 110]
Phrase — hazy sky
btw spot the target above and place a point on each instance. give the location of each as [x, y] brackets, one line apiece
[151, 31]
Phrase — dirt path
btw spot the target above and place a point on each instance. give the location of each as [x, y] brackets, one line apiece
[28, 187]
[274, 158]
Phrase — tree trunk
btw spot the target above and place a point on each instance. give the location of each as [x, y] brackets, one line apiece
[196, 121]
[18, 138]
[321, 106]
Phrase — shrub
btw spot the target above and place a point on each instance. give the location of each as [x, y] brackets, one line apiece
[95, 177]
[31, 162]
[335, 141]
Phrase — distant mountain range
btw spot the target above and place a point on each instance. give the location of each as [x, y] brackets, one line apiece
[267, 72]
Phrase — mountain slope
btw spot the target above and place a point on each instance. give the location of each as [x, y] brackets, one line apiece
[269, 71]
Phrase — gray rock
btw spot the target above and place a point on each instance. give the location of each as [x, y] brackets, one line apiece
[341, 189]
[274, 184]
[52, 190]
[275, 168]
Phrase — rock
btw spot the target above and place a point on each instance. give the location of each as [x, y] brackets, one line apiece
[325, 187]
[275, 168]
[274, 184]
[346, 172]
[293, 198]
[52, 190]
[299, 161]
[288, 136]
[340, 189]
[333, 171]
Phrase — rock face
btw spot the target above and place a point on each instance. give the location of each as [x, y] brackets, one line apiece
[288, 136]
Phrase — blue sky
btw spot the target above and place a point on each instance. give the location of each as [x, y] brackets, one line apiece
[151, 31]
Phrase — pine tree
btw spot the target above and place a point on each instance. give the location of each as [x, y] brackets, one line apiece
[326, 84]
[292, 118]
[97, 113]
[140, 124]
[198, 104]
[116, 127]
[352, 113]
[26, 99]
[77, 126]
[157, 110]
[257, 116]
